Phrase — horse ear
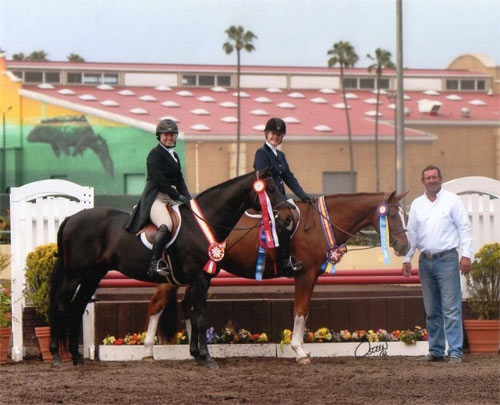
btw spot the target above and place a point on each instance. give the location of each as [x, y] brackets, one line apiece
[265, 172]
[400, 196]
[389, 197]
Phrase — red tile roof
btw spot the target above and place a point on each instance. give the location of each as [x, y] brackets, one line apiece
[205, 112]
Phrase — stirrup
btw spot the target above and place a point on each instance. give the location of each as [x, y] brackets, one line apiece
[162, 268]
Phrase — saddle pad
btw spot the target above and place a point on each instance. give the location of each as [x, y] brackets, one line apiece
[149, 245]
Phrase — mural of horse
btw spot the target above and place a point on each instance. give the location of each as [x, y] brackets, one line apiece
[348, 214]
[93, 241]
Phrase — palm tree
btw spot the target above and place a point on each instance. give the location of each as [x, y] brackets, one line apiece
[343, 53]
[18, 56]
[74, 57]
[38, 56]
[382, 61]
[238, 39]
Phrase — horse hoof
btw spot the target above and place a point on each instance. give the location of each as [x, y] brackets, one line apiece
[212, 364]
[149, 359]
[78, 359]
[56, 362]
[303, 360]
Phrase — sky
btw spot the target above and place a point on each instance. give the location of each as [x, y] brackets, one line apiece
[289, 32]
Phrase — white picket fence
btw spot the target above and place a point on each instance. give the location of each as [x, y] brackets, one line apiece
[36, 211]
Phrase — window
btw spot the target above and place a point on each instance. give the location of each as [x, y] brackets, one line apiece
[383, 83]
[204, 80]
[367, 83]
[110, 78]
[351, 83]
[451, 84]
[338, 182]
[52, 77]
[481, 84]
[224, 81]
[467, 85]
[33, 77]
[74, 78]
[189, 80]
[134, 183]
[91, 78]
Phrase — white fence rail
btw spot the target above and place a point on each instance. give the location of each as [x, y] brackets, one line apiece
[36, 211]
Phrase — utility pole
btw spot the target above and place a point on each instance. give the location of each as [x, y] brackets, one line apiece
[4, 154]
[400, 131]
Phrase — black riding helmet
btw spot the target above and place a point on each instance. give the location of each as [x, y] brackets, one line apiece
[167, 126]
[275, 125]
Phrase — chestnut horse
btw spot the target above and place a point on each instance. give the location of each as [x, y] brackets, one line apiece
[93, 241]
[348, 214]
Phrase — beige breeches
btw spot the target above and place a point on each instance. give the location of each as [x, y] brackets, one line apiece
[159, 214]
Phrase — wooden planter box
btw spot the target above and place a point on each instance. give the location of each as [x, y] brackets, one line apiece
[181, 352]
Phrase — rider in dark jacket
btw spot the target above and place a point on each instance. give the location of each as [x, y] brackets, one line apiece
[164, 185]
[268, 155]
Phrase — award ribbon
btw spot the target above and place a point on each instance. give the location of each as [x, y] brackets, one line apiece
[383, 211]
[334, 253]
[215, 250]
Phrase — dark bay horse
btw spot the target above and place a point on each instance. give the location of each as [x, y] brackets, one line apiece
[93, 241]
[348, 213]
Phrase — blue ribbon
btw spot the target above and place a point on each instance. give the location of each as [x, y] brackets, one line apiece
[382, 211]
[261, 254]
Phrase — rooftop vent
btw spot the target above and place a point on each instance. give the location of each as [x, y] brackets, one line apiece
[66, 92]
[163, 88]
[87, 97]
[429, 106]
[319, 100]
[259, 112]
[273, 90]
[206, 99]
[105, 87]
[184, 93]
[110, 103]
[141, 111]
[200, 127]
[327, 91]
[286, 105]
[322, 128]
[147, 97]
[296, 95]
[263, 100]
[170, 103]
[228, 104]
[465, 112]
[200, 111]
[218, 89]
[242, 94]
[126, 92]
[229, 119]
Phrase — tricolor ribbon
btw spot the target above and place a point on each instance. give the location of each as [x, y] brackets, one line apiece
[335, 252]
[383, 211]
[215, 249]
[259, 187]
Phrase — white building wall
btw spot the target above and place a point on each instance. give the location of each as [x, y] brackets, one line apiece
[150, 79]
[314, 82]
[422, 84]
[263, 81]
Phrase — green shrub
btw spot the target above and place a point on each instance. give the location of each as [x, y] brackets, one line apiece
[39, 267]
[483, 282]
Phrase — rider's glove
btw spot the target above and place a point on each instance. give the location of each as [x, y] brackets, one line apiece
[183, 199]
[308, 199]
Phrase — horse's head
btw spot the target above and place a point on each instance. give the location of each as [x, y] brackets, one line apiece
[397, 230]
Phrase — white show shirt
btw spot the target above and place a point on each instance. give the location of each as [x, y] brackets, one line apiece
[169, 150]
[437, 226]
[273, 148]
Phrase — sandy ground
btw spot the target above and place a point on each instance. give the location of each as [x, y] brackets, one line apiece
[341, 380]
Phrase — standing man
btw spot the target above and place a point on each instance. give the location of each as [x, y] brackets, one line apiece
[437, 226]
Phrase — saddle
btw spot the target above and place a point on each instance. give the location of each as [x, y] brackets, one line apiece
[147, 234]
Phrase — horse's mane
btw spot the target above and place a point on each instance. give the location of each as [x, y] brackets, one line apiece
[224, 184]
[332, 196]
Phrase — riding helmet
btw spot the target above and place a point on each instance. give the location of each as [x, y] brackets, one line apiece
[166, 126]
[275, 125]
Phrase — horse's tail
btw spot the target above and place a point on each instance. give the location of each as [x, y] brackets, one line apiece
[57, 277]
[167, 324]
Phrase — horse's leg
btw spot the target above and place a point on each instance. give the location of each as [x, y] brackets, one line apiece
[304, 285]
[77, 307]
[157, 304]
[187, 307]
[199, 322]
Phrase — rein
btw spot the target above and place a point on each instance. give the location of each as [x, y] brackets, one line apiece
[327, 219]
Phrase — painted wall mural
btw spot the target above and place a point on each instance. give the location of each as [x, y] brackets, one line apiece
[72, 136]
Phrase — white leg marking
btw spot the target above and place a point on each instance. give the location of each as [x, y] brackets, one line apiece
[298, 337]
[150, 334]
[188, 328]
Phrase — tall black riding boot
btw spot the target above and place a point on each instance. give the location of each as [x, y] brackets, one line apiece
[286, 267]
[158, 265]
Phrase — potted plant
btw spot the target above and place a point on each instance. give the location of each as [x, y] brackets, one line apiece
[39, 266]
[483, 284]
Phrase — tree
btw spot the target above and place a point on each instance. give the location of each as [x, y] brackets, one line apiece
[74, 57]
[382, 61]
[18, 56]
[238, 39]
[343, 54]
[38, 56]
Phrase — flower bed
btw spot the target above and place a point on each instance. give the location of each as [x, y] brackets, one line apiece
[242, 343]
